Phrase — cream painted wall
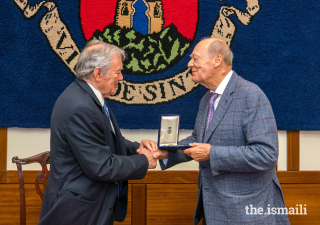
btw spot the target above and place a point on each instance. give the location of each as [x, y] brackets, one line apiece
[282, 160]
[309, 150]
[27, 142]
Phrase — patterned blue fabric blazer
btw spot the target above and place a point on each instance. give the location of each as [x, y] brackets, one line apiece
[243, 156]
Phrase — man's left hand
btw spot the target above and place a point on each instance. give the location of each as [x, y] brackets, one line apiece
[148, 144]
[199, 151]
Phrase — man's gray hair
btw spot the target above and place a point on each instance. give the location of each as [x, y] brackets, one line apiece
[96, 54]
[220, 47]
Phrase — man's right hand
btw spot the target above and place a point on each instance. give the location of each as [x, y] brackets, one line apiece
[160, 154]
[152, 161]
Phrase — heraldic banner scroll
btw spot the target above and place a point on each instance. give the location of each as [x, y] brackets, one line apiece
[273, 45]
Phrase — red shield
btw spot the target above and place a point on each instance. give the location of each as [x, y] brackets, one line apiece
[98, 14]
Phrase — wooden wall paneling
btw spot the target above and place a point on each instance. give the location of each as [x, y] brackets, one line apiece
[298, 177]
[185, 177]
[152, 177]
[188, 177]
[3, 154]
[29, 176]
[168, 201]
[10, 204]
[172, 204]
[127, 220]
[293, 151]
[3, 176]
[308, 196]
[139, 204]
[168, 177]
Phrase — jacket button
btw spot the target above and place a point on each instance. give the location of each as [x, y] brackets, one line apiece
[116, 183]
[111, 208]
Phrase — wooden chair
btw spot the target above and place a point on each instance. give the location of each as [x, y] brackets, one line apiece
[43, 159]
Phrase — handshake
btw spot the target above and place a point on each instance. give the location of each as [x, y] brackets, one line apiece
[151, 151]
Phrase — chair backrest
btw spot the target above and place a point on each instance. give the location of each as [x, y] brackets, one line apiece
[43, 159]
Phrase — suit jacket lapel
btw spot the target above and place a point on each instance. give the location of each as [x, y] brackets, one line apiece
[83, 84]
[120, 143]
[204, 114]
[222, 108]
[107, 122]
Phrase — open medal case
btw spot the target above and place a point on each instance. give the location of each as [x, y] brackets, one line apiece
[168, 133]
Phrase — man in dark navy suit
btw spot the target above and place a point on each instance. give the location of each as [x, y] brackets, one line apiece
[91, 162]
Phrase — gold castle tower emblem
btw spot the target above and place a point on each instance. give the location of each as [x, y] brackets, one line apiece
[126, 10]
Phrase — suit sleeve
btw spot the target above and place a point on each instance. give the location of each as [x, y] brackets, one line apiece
[86, 138]
[131, 147]
[261, 151]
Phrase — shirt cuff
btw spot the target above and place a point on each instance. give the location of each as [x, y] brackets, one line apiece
[165, 161]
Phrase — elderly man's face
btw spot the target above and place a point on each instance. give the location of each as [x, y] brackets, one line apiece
[109, 84]
[200, 65]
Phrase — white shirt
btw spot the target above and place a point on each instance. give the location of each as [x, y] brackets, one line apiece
[98, 94]
[101, 100]
[220, 89]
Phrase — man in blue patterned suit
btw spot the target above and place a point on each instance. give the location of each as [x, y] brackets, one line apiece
[235, 142]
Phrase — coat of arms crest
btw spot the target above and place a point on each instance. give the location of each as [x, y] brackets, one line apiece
[156, 37]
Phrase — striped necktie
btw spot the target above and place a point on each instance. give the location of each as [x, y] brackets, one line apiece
[105, 107]
[213, 98]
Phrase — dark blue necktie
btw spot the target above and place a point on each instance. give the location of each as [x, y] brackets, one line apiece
[105, 107]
